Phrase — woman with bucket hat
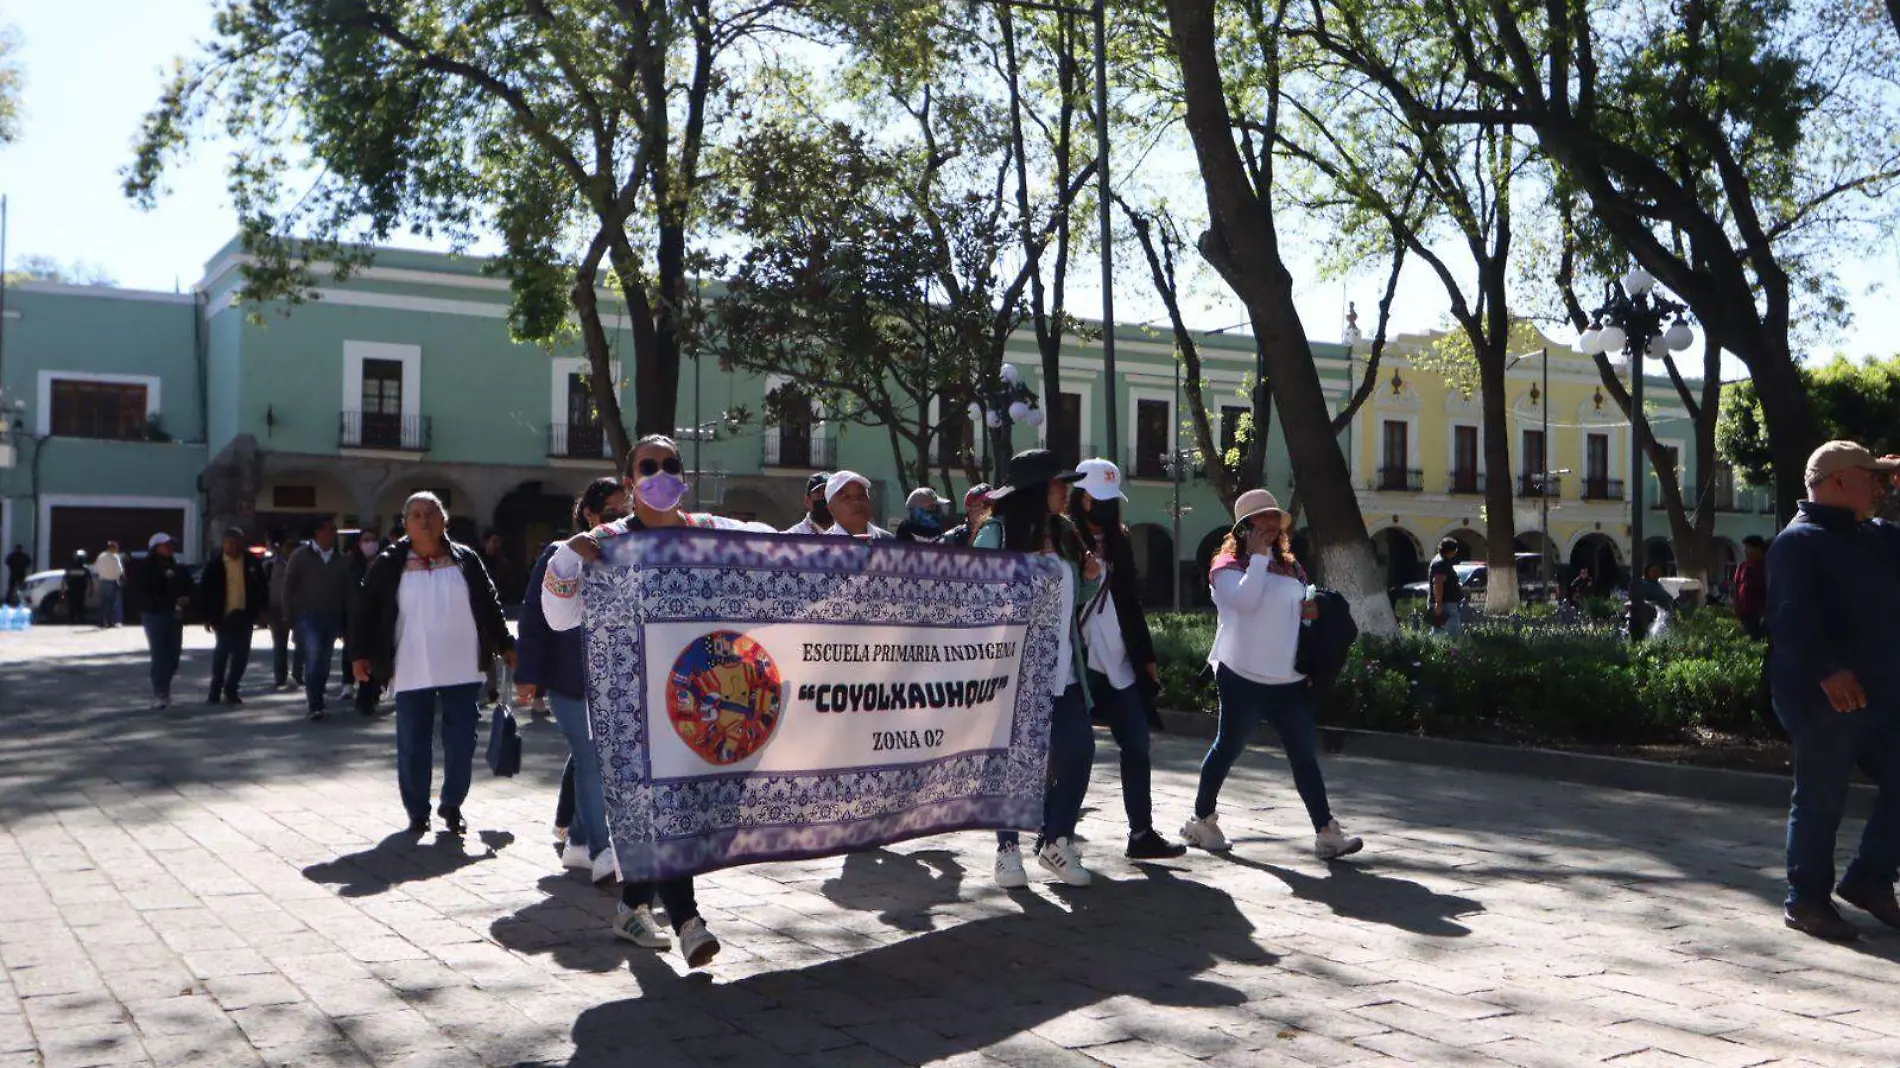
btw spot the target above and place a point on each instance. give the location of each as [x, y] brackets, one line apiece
[1261, 593]
[1028, 518]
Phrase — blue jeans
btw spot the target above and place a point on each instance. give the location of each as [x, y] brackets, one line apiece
[1071, 758]
[317, 636]
[1127, 720]
[1243, 704]
[165, 635]
[590, 798]
[1827, 745]
[415, 745]
[111, 608]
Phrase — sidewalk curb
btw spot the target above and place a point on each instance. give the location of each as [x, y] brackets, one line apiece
[1618, 773]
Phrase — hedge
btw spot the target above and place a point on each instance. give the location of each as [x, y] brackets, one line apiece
[1528, 677]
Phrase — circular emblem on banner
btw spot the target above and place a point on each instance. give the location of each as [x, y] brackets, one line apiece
[724, 696]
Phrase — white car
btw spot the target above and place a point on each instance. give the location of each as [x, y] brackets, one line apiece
[44, 594]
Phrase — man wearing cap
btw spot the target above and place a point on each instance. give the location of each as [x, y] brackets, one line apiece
[232, 594]
[976, 510]
[1834, 609]
[923, 516]
[1122, 675]
[817, 513]
[848, 495]
[164, 594]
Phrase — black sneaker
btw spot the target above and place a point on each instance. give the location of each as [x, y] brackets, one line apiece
[1878, 902]
[314, 714]
[419, 825]
[1147, 845]
[1819, 918]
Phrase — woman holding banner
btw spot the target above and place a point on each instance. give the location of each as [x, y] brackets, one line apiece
[555, 664]
[1029, 519]
[1261, 593]
[656, 482]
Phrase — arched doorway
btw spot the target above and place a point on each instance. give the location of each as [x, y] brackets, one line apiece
[1659, 551]
[1401, 556]
[527, 519]
[1724, 558]
[1599, 554]
[1196, 590]
[1154, 559]
[1470, 540]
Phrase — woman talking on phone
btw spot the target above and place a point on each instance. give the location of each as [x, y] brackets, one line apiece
[1261, 593]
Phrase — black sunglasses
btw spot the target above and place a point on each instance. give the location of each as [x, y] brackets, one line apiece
[650, 467]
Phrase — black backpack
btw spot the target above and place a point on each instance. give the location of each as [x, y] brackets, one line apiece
[1325, 642]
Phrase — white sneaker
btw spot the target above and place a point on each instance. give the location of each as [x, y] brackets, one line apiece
[1205, 833]
[639, 927]
[1060, 859]
[1332, 843]
[697, 944]
[606, 866]
[1009, 868]
[575, 857]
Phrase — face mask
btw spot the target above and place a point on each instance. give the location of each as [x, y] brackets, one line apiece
[821, 513]
[662, 492]
[1105, 514]
[927, 519]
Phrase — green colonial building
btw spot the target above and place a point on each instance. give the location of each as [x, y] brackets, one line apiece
[133, 412]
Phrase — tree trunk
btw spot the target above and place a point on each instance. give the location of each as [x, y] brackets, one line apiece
[1789, 415]
[1243, 245]
[1500, 488]
[602, 385]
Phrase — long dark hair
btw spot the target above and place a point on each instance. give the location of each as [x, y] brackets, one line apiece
[594, 499]
[1282, 549]
[1026, 518]
[1105, 514]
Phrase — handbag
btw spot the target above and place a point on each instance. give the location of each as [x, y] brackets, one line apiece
[504, 742]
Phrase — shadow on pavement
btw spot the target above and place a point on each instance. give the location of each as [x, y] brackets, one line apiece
[900, 887]
[944, 993]
[572, 924]
[1357, 893]
[403, 858]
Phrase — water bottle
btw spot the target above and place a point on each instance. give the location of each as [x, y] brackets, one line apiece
[6, 617]
[1312, 594]
[24, 618]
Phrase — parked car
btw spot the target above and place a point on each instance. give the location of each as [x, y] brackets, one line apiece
[1531, 584]
[44, 594]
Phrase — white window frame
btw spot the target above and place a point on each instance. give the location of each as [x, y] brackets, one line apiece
[1375, 450]
[978, 429]
[1451, 447]
[43, 420]
[43, 533]
[410, 356]
[563, 366]
[1137, 394]
[1085, 415]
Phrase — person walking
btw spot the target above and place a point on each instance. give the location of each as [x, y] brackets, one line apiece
[317, 597]
[285, 669]
[976, 511]
[848, 494]
[1834, 610]
[1751, 611]
[368, 695]
[1260, 594]
[818, 518]
[165, 592]
[78, 581]
[232, 595]
[426, 622]
[1447, 613]
[1029, 518]
[656, 484]
[923, 516]
[554, 664]
[1123, 676]
[19, 565]
[109, 569]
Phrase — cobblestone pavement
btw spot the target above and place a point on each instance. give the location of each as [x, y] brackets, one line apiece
[223, 887]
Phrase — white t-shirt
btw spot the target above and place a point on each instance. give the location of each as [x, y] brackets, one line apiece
[437, 643]
[1108, 654]
[109, 567]
[1258, 636]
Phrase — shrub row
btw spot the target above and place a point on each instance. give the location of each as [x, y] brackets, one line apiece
[1523, 678]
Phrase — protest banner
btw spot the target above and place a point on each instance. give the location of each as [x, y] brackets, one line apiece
[759, 697]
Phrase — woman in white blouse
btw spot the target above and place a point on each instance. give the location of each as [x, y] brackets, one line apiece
[429, 623]
[1260, 591]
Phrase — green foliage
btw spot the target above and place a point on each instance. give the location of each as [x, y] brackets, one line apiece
[11, 81]
[38, 268]
[1853, 400]
[1504, 682]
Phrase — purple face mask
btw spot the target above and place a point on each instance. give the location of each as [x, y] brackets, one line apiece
[662, 492]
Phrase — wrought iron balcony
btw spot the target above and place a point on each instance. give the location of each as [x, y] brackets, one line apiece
[1466, 483]
[803, 451]
[1534, 485]
[1399, 480]
[1602, 489]
[379, 430]
[581, 441]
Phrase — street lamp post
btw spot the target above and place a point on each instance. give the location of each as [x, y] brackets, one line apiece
[1005, 402]
[1179, 466]
[1631, 319]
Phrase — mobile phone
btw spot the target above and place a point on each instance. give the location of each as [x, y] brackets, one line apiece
[1241, 531]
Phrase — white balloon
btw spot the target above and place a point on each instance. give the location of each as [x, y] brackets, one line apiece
[1613, 338]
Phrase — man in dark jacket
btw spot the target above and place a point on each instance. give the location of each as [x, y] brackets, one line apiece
[1834, 609]
[1122, 673]
[233, 594]
[368, 547]
[164, 594]
[18, 566]
[285, 668]
[317, 598]
[78, 581]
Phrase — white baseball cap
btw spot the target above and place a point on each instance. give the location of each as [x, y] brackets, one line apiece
[837, 482]
[157, 540]
[1102, 479]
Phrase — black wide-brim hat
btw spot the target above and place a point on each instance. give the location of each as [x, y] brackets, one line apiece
[1031, 467]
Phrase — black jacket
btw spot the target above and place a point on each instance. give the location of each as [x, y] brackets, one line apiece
[1124, 584]
[373, 621]
[211, 588]
[1833, 604]
[162, 584]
